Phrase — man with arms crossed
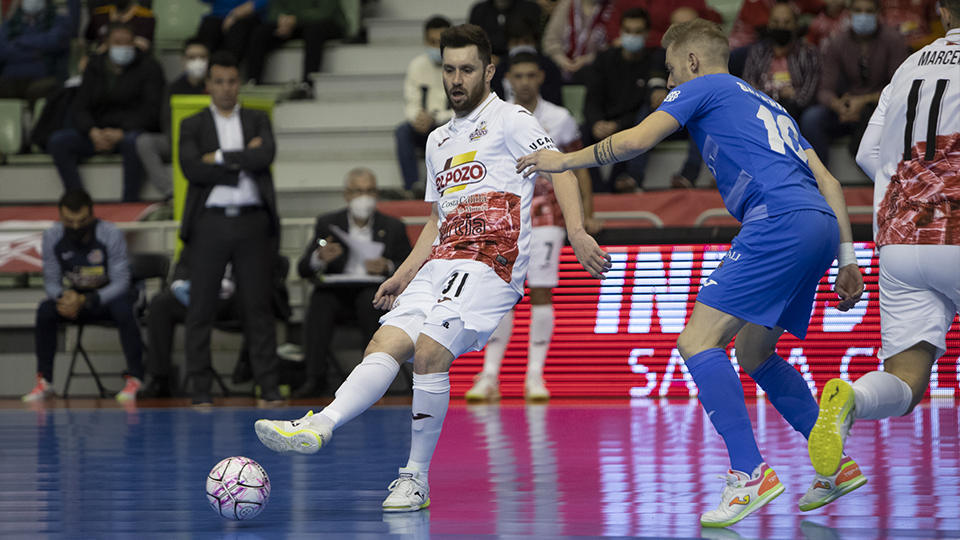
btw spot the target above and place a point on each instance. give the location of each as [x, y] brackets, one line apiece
[465, 272]
[794, 219]
[911, 150]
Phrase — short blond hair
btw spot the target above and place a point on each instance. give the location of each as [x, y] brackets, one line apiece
[702, 36]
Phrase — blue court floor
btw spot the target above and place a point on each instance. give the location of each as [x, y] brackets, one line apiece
[565, 470]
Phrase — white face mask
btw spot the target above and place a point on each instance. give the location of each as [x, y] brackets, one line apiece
[361, 208]
[122, 55]
[196, 68]
[32, 7]
[434, 54]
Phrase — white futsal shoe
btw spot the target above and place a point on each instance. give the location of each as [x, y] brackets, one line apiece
[408, 493]
[302, 436]
[485, 388]
[535, 390]
[826, 489]
[743, 495]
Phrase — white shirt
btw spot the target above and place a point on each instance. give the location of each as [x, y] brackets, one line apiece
[484, 204]
[355, 265]
[230, 138]
[913, 196]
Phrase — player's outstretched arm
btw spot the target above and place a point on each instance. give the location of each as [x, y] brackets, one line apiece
[567, 188]
[622, 146]
[391, 288]
[849, 284]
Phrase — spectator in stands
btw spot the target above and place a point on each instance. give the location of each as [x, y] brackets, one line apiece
[230, 25]
[130, 12]
[833, 19]
[748, 27]
[857, 64]
[35, 49]
[622, 90]
[522, 36]
[661, 13]
[314, 21]
[426, 104]
[168, 308]
[119, 99]
[230, 216]
[917, 20]
[347, 279]
[572, 50]
[155, 149]
[782, 66]
[495, 15]
[89, 256]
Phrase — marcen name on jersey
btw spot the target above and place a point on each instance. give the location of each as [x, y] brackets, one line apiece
[484, 204]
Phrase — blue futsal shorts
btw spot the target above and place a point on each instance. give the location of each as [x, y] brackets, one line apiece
[770, 275]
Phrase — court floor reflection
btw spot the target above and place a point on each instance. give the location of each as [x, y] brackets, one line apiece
[567, 469]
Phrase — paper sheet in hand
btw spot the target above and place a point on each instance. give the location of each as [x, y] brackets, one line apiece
[365, 249]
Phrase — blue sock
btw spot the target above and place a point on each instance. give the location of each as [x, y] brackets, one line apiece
[721, 395]
[788, 392]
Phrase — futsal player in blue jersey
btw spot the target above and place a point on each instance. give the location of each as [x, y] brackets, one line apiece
[794, 223]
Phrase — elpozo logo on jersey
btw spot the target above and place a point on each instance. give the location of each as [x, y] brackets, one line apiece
[460, 171]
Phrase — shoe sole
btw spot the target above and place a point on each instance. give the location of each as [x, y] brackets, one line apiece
[537, 398]
[760, 503]
[825, 445]
[474, 397]
[301, 442]
[844, 489]
[399, 509]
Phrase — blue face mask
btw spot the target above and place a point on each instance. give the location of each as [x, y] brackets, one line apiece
[863, 24]
[32, 7]
[122, 55]
[434, 54]
[632, 43]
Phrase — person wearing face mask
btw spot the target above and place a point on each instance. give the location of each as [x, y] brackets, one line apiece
[495, 15]
[155, 149]
[782, 66]
[345, 280]
[523, 36]
[857, 64]
[426, 103]
[86, 276]
[120, 98]
[625, 86]
[35, 50]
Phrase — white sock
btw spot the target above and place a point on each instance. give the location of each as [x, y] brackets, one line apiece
[365, 385]
[431, 397]
[541, 332]
[881, 395]
[497, 346]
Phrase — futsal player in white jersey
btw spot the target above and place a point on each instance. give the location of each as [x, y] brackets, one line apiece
[546, 240]
[911, 150]
[465, 272]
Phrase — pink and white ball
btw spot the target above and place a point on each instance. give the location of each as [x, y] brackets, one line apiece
[238, 488]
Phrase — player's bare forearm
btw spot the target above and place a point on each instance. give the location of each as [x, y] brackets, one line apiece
[620, 146]
[585, 184]
[830, 189]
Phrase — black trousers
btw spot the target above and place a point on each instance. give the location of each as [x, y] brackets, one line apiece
[163, 316]
[236, 40]
[314, 35]
[329, 306]
[245, 241]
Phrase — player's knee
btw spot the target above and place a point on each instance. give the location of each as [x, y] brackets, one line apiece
[541, 296]
[431, 357]
[689, 344]
[392, 341]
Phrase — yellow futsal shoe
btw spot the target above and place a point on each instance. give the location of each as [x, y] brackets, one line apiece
[302, 436]
[828, 435]
[826, 489]
[743, 495]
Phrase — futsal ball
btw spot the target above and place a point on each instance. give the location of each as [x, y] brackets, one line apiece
[238, 488]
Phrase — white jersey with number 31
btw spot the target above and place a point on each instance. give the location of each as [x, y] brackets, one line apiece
[917, 183]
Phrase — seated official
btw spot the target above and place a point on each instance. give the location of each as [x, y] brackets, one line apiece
[90, 256]
[346, 281]
[169, 308]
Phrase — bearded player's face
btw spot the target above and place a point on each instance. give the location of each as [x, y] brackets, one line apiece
[464, 78]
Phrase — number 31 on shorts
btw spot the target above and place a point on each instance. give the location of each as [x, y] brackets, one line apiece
[455, 283]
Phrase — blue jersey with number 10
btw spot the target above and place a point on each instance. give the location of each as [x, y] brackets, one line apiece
[750, 144]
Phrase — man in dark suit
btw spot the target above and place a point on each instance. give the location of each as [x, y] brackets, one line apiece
[168, 308]
[230, 216]
[347, 280]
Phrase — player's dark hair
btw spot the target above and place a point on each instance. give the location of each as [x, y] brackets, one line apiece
[636, 13]
[222, 59]
[76, 200]
[464, 35]
[524, 58]
[436, 22]
[194, 41]
[522, 28]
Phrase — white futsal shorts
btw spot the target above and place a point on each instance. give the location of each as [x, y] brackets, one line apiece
[545, 245]
[457, 303]
[919, 296]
